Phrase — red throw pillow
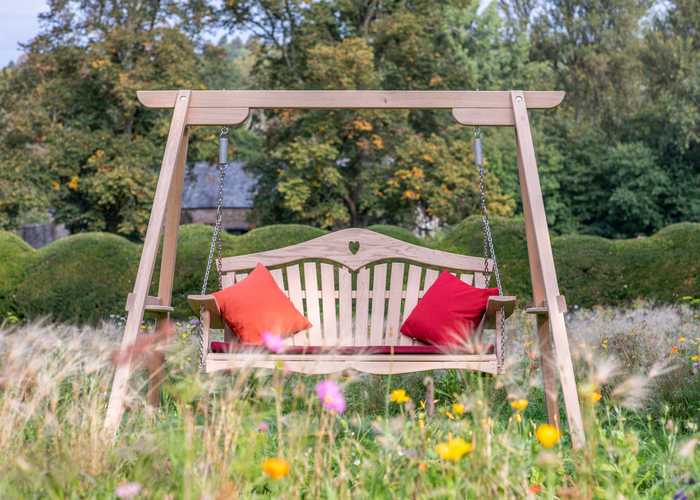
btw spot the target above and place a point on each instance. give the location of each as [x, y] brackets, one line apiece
[448, 313]
[257, 305]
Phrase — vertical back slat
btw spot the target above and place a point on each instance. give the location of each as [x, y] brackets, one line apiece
[295, 295]
[479, 280]
[345, 332]
[279, 279]
[376, 334]
[430, 277]
[240, 277]
[412, 289]
[362, 307]
[394, 309]
[330, 326]
[312, 306]
[467, 278]
[228, 279]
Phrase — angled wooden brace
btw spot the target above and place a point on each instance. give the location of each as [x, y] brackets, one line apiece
[168, 170]
[544, 273]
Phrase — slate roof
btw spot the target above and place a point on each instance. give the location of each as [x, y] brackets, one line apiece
[201, 186]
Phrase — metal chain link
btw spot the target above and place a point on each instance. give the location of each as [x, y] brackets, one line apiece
[216, 244]
[489, 248]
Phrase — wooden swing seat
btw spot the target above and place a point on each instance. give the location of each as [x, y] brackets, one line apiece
[356, 287]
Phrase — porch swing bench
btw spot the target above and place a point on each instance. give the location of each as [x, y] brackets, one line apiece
[369, 284]
[355, 286]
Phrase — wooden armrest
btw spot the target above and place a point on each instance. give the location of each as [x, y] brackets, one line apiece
[209, 303]
[496, 302]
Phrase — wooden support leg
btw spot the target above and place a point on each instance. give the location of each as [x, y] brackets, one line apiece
[536, 223]
[548, 367]
[155, 364]
[144, 274]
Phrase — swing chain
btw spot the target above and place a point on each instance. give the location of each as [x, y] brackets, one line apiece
[216, 243]
[489, 248]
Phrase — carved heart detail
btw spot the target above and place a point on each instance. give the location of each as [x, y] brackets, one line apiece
[354, 246]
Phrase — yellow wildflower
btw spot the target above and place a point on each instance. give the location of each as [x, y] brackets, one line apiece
[55, 185]
[399, 396]
[519, 404]
[458, 409]
[681, 340]
[377, 142]
[276, 468]
[454, 449]
[518, 417]
[594, 396]
[73, 183]
[695, 358]
[548, 435]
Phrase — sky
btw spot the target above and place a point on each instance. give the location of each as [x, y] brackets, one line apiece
[19, 23]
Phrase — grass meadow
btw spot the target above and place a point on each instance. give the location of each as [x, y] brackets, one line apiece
[443, 434]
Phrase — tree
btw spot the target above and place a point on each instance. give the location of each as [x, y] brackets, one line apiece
[349, 168]
[71, 124]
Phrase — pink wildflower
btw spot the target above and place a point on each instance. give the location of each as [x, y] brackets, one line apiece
[263, 426]
[274, 343]
[331, 396]
[127, 490]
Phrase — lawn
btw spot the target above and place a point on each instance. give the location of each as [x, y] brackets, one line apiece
[215, 436]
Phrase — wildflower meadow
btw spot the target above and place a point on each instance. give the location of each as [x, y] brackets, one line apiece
[269, 433]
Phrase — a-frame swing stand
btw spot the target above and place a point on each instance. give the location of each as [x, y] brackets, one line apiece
[493, 108]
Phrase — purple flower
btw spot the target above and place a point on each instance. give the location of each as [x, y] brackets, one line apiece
[127, 490]
[263, 426]
[274, 343]
[194, 322]
[680, 495]
[331, 396]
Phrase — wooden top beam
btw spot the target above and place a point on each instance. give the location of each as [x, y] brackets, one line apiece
[349, 99]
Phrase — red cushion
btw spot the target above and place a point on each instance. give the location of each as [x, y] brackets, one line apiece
[223, 347]
[257, 305]
[448, 312]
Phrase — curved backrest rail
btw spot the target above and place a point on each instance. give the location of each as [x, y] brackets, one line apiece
[354, 248]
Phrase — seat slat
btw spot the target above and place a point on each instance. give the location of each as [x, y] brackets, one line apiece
[312, 305]
[345, 333]
[362, 307]
[328, 294]
[412, 292]
[394, 308]
[376, 334]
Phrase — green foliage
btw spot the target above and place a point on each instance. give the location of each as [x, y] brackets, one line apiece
[87, 277]
[15, 255]
[78, 279]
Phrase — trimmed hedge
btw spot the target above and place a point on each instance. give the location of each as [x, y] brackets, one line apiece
[86, 277]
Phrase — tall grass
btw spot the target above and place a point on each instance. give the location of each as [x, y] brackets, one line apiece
[212, 434]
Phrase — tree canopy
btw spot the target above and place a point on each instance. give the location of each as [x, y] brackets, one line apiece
[620, 157]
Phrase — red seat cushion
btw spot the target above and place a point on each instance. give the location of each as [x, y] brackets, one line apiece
[448, 313]
[257, 305]
[224, 347]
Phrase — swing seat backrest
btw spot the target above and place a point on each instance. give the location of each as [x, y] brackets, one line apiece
[355, 286]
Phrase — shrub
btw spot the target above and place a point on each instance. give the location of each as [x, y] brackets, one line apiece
[79, 279]
[15, 255]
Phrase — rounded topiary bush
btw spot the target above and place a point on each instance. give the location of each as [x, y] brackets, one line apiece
[511, 249]
[79, 279]
[399, 233]
[15, 256]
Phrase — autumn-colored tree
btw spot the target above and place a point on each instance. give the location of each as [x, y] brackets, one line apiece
[351, 168]
[73, 137]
